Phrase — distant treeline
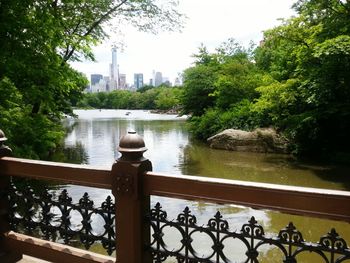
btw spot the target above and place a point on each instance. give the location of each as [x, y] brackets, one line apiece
[148, 97]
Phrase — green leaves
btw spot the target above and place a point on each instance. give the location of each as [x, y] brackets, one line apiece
[309, 56]
[163, 98]
[299, 83]
[338, 46]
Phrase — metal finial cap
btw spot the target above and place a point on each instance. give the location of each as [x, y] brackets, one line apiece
[2, 136]
[132, 142]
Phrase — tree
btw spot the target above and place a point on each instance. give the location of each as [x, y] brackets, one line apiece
[198, 85]
[168, 98]
[309, 56]
[220, 79]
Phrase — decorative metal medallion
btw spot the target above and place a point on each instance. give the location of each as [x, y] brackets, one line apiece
[124, 184]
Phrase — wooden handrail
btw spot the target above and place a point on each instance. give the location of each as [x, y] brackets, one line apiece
[85, 175]
[325, 203]
[52, 251]
[297, 200]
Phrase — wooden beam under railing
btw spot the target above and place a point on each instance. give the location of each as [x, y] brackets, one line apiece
[51, 251]
[324, 203]
[85, 175]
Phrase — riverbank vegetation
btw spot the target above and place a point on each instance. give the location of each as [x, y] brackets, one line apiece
[297, 80]
[38, 40]
[162, 98]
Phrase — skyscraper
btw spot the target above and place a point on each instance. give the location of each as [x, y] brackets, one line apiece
[158, 79]
[138, 80]
[114, 72]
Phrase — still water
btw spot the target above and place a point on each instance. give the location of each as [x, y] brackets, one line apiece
[93, 139]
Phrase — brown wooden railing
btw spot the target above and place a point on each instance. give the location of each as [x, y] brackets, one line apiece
[132, 183]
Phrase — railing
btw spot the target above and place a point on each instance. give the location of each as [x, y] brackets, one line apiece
[137, 232]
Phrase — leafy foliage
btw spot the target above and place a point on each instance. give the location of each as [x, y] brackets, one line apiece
[312, 98]
[297, 80]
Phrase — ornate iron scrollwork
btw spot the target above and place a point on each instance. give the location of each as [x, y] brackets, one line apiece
[42, 215]
[331, 247]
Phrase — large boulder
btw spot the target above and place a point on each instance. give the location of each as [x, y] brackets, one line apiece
[265, 140]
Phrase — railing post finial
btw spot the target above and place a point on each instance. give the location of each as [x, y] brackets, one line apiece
[132, 147]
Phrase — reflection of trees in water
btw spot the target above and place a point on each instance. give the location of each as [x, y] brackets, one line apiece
[160, 127]
[71, 154]
[189, 163]
[69, 124]
[76, 154]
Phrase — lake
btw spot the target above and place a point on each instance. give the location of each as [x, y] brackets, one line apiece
[93, 139]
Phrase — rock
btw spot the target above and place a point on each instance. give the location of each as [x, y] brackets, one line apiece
[265, 140]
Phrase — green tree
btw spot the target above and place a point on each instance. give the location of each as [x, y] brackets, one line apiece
[309, 56]
[220, 89]
[198, 87]
[168, 98]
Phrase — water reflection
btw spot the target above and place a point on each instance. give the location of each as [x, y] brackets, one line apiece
[95, 136]
[260, 167]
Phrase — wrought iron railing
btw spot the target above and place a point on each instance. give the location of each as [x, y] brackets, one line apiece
[55, 217]
[331, 247]
[136, 232]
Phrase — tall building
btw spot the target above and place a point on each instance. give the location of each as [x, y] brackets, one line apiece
[138, 80]
[95, 78]
[114, 72]
[158, 79]
[122, 81]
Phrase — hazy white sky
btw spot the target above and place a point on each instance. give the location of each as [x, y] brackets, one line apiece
[209, 22]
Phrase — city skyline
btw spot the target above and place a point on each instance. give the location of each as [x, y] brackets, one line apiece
[170, 52]
[117, 81]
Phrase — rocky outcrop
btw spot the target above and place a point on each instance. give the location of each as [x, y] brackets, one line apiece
[259, 140]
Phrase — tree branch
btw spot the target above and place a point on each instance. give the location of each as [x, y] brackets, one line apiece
[103, 17]
[95, 24]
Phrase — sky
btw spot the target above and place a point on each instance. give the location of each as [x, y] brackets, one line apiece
[209, 22]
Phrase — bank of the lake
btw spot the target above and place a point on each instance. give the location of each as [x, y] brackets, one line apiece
[94, 138]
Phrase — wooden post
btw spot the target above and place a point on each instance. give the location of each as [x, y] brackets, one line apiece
[6, 256]
[132, 234]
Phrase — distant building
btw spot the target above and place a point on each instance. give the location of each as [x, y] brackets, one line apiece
[101, 86]
[114, 71]
[158, 79]
[122, 81]
[151, 82]
[107, 81]
[138, 80]
[177, 82]
[95, 78]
